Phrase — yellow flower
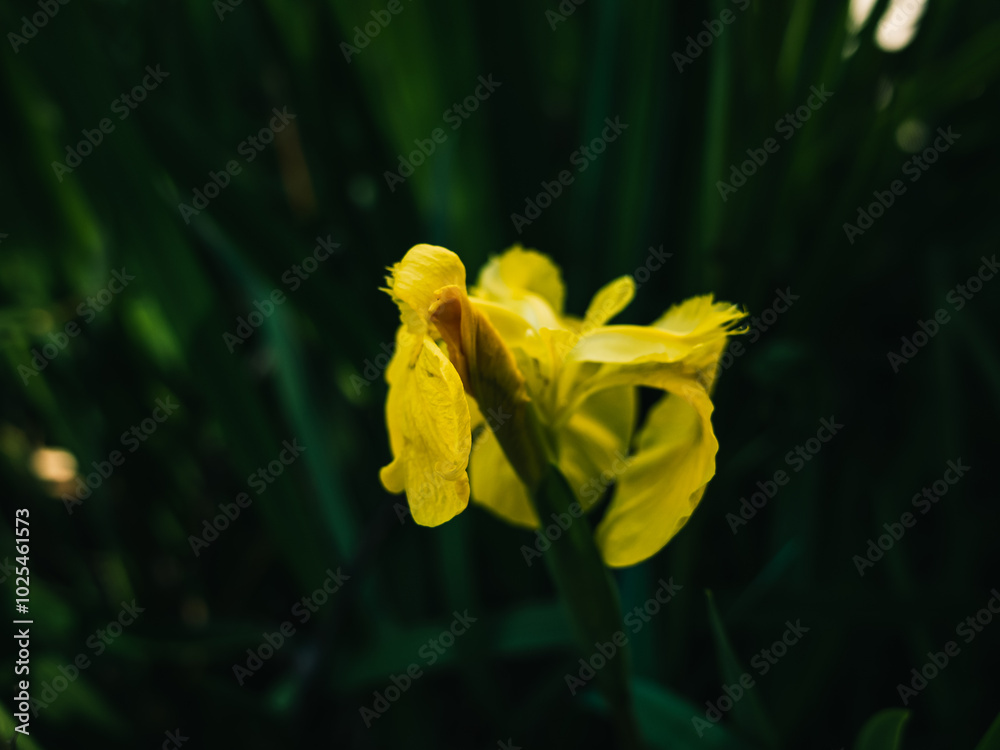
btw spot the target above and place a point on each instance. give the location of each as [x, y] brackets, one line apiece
[508, 364]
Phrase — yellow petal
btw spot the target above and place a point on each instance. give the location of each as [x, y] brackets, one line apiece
[515, 331]
[702, 318]
[698, 316]
[691, 336]
[655, 496]
[417, 277]
[591, 453]
[681, 331]
[429, 431]
[476, 418]
[495, 485]
[593, 445]
[608, 302]
[621, 344]
[526, 282]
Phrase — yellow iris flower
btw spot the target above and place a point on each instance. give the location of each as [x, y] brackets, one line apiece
[477, 364]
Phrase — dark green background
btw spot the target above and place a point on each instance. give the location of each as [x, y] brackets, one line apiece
[296, 377]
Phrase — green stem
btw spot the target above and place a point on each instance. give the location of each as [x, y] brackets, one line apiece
[583, 582]
[591, 596]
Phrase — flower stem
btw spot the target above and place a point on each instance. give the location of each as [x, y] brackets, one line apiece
[583, 582]
[591, 596]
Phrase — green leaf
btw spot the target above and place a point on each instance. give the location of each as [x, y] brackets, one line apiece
[991, 740]
[883, 731]
[748, 712]
[665, 721]
[530, 629]
[717, 105]
[7, 724]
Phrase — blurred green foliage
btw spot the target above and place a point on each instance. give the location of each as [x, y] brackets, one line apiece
[310, 372]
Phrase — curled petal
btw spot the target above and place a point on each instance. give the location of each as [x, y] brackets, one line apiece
[699, 317]
[429, 431]
[689, 337]
[665, 479]
[415, 280]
